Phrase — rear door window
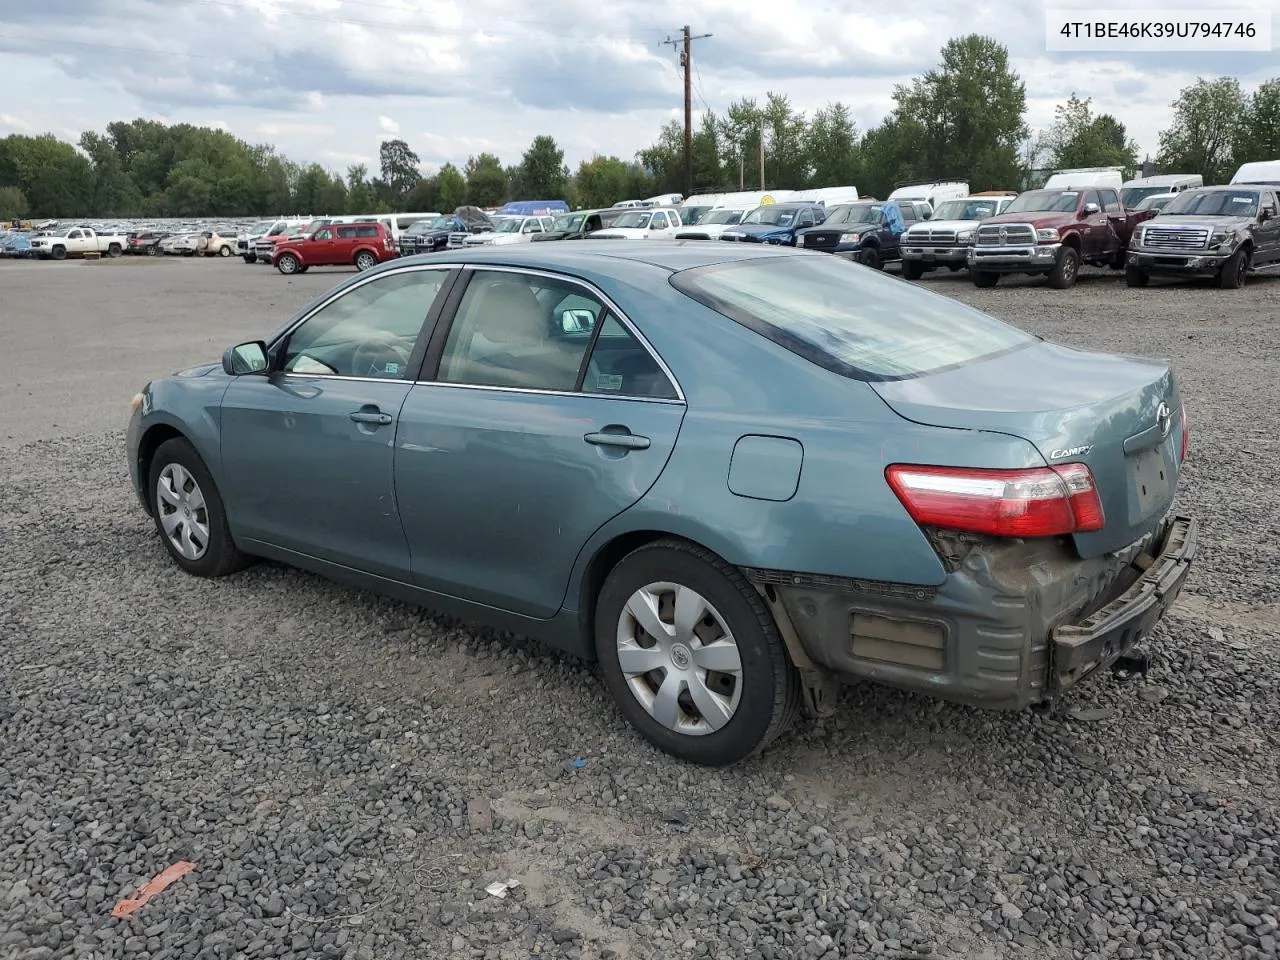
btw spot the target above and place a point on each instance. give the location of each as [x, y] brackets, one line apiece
[855, 322]
[347, 233]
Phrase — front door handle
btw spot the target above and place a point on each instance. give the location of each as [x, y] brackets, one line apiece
[628, 441]
[371, 416]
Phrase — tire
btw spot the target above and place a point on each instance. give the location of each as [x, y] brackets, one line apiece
[188, 253]
[59, 253]
[250, 258]
[1136, 277]
[982, 278]
[1234, 271]
[177, 465]
[870, 257]
[1065, 268]
[764, 696]
[955, 267]
[365, 260]
[912, 269]
[113, 250]
[152, 251]
[287, 263]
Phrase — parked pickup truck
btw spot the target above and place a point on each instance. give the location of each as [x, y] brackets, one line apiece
[1222, 232]
[1052, 233]
[943, 240]
[76, 242]
[867, 232]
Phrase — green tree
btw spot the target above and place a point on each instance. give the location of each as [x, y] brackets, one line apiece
[786, 155]
[663, 160]
[1206, 119]
[602, 181]
[56, 179]
[543, 175]
[359, 194]
[1257, 136]
[486, 180]
[13, 205]
[399, 165]
[740, 132]
[425, 196]
[833, 147]
[966, 118]
[1079, 139]
[452, 187]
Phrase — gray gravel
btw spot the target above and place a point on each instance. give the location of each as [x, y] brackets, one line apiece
[348, 773]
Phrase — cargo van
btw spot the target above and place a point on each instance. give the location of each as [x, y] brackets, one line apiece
[729, 208]
[931, 192]
[1086, 177]
[827, 196]
[532, 208]
[1135, 191]
[1260, 171]
[695, 208]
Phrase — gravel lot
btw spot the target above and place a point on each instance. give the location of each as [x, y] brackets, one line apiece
[349, 773]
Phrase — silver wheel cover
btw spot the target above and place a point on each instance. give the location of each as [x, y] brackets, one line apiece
[679, 659]
[184, 516]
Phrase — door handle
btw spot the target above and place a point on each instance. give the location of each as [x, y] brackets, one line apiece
[628, 441]
[371, 416]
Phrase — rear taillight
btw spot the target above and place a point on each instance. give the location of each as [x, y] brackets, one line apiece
[1036, 502]
[388, 243]
[1186, 436]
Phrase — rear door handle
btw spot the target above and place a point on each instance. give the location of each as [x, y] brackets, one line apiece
[628, 441]
[371, 416]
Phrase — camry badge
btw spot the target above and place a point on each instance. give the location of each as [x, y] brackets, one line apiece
[1164, 419]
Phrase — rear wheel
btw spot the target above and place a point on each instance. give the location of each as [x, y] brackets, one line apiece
[224, 251]
[692, 655]
[1065, 268]
[954, 267]
[189, 514]
[113, 250]
[912, 269]
[365, 260]
[152, 251]
[982, 278]
[1234, 271]
[1136, 277]
[288, 263]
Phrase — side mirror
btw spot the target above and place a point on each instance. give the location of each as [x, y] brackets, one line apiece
[1090, 209]
[577, 321]
[1266, 214]
[245, 358]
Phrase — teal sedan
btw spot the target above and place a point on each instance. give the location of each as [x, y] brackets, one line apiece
[736, 476]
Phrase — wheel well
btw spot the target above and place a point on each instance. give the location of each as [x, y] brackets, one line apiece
[605, 559]
[359, 250]
[1072, 240]
[147, 447]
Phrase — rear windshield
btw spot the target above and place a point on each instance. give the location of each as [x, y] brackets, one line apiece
[853, 321]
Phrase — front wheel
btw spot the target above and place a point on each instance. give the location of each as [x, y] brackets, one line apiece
[982, 278]
[870, 257]
[1136, 276]
[288, 263]
[189, 514]
[250, 258]
[692, 655]
[912, 269]
[1234, 271]
[59, 253]
[224, 251]
[365, 260]
[1065, 268]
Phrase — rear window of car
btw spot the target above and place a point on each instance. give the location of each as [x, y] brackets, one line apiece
[369, 231]
[849, 319]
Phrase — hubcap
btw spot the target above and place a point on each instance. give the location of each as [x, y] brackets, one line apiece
[365, 261]
[184, 517]
[679, 658]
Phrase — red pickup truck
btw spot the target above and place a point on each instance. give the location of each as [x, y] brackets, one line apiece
[1052, 233]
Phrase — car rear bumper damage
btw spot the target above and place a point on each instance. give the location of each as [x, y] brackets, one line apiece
[1014, 624]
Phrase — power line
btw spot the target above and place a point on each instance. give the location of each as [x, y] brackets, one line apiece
[686, 61]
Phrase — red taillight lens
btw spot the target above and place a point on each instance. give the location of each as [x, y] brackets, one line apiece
[1186, 435]
[1036, 502]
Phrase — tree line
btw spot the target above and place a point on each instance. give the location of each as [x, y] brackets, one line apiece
[966, 118]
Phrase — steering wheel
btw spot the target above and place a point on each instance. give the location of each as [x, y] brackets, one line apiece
[381, 356]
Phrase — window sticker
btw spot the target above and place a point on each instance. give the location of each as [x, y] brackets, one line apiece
[608, 381]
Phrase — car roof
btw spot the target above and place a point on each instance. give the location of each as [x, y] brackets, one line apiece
[607, 255]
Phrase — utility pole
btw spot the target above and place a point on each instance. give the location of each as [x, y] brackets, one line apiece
[762, 186]
[686, 63]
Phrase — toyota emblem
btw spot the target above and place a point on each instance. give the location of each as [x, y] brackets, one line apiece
[1164, 419]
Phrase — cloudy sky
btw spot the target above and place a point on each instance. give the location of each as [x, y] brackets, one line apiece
[328, 80]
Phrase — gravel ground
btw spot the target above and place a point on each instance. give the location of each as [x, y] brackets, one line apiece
[359, 810]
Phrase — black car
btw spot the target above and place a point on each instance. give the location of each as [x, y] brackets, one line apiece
[146, 242]
[428, 236]
[868, 231]
[576, 225]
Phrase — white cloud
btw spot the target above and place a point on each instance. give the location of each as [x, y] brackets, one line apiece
[387, 125]
[15, 124]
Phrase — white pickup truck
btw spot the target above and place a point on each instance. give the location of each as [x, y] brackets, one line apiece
[76, 242]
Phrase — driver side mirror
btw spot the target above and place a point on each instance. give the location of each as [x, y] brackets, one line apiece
[575, 322]
[1267, 213]
[245, 358]
[1090, 209]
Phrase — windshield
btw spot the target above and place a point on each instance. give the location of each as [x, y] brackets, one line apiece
[419, 227]
[859, 323]
[633, 221]
[723, 216]
[965, 209]
[772, 215]
[314, 225]
[261, 227]
[569, 222]
[1062, 201]
[856, 213]
[509, 226]
[1213, 203]
[1131, 196]
[691, 215]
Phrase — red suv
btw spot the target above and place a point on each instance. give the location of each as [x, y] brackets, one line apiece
[336, 245]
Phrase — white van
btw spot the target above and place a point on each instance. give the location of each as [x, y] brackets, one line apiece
[1134, 192]
[1260, 171]
[728, 210]
[398, 223]
[932, 193]
[1086, 177]
[827, 196]
[696, 207]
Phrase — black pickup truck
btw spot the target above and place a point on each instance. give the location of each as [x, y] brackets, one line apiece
[868, 231]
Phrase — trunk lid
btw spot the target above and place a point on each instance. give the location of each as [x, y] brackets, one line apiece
[1074, 407]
